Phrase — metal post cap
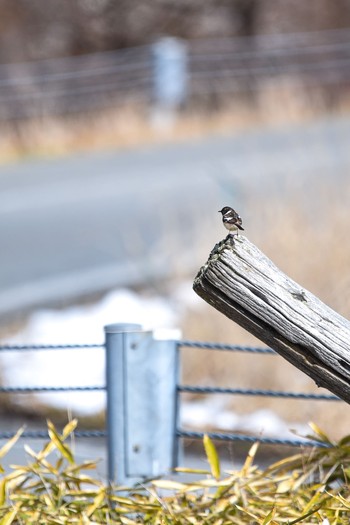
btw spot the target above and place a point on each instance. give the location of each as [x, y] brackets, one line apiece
[116, 328]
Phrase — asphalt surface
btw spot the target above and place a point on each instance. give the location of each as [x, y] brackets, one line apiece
[83, 224]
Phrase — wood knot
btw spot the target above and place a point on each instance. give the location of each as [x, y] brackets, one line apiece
[299, 295]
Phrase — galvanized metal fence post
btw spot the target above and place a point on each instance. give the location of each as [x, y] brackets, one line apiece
[170, 75]
[141, 379]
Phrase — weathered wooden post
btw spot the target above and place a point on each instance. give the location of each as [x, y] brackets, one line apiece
[243, 284]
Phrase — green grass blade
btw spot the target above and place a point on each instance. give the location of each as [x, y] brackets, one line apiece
[212, 456]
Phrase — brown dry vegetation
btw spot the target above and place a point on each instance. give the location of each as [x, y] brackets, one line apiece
[309, 487]
[125, 126]
[122, 128]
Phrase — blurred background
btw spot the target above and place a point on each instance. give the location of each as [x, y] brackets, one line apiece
[124, 127]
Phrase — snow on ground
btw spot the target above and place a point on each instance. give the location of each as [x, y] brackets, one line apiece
[86, 367]
[212, 412]
[78, 367]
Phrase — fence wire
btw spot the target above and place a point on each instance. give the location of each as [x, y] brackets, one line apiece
[195, 389]
[42, 434]
[257, 392]
[225, 347]
[34, 347]
[214, 67]
[37, 389]
[251, 439]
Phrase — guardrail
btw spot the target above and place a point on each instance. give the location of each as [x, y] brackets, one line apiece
[143, 398]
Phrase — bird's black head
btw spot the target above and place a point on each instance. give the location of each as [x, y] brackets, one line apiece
[224, 210]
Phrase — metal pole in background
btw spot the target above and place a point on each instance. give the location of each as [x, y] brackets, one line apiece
[141, 379]
[170, 78]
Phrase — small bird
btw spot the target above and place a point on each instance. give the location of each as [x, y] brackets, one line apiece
[231, 219]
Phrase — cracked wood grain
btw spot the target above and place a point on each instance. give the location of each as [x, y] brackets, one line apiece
[243, 284]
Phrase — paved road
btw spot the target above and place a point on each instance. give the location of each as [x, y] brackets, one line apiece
[86, 223]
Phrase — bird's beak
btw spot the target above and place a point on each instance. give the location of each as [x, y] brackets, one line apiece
[219, 211]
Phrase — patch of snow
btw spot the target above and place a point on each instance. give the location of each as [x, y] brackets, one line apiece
[86, 367]
[213, 413]
[78, 367]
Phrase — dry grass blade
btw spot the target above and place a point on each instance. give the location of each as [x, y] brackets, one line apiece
[299, 489]
[249, 459]
[269, 517]
[50, 446]
[212, 456]
[58, 442]
[319, 435]
[97, 502]
[9, 517]
[9, 444]
[170, 485]
[3, 484]
[185, 470]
